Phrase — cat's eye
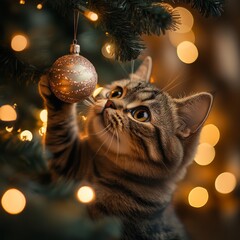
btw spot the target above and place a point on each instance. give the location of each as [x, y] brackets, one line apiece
[116, 93]
[141, 115]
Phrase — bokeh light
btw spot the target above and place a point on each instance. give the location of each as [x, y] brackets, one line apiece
[85, 194]
[7, 113]
[97, 91]
[19, 43]
[210, 134]
[108, 50]
[176, 38]
[42, 131]
[225, 182]
[22, 2]
[198, 197]
[186, 20]
[39, 6]
[26, 135]
[43, 115]
[91, 16]
[205, 154]
[9, 129]
[13, 201]
[187, 52]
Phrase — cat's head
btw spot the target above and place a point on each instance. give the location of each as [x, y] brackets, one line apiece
[135, 123]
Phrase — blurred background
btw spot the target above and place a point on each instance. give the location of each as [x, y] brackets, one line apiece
[202, 55]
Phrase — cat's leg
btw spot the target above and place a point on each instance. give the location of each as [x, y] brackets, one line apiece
[62, 140]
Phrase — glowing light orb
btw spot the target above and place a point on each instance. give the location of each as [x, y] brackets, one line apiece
[210, 134]
[108, 50]
[43, 115]
[187, 52]
[198, 197]
[19, 43]
[84, 118]
[186, 20]
[91, 16]
[7, 113]
[176, 38]
[39, 6]
[85, 194]
[205, 154]
[225, 182]
[9, 129]
[42, 131]
[13, 201]
[97, 91]
[22, 2]
[26, 135]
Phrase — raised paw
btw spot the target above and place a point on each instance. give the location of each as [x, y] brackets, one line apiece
[46, 93]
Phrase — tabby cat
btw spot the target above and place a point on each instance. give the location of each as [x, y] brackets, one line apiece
[139, 143]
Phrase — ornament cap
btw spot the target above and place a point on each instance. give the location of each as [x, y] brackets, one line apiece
[74, 48]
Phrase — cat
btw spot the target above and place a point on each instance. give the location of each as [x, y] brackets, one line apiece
[139, 144]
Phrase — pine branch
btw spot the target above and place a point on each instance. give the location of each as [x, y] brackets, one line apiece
[25, 157]
[16, 69]
[126, 20]
[206, 7]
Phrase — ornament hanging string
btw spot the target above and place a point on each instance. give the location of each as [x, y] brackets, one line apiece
[75, 25]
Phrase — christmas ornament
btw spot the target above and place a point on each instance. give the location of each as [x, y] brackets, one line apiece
[72, 77]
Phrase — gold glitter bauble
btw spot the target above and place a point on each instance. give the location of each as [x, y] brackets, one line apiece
[72, 78]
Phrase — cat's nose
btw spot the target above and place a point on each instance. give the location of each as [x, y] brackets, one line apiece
[110, 104]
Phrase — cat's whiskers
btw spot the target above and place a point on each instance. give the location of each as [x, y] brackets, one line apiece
[118, 144]
[91, 99]
[107, 130]
[101, 131]
[113, 135]
[174, 86]
[87, 103]
[104, 142]
[169, 85]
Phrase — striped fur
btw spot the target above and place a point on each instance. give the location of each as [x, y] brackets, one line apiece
[133, 166]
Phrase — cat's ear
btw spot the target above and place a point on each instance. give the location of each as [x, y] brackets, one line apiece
[192, 112]
[144, 70]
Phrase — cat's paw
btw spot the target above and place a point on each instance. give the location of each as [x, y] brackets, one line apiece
[47, 94]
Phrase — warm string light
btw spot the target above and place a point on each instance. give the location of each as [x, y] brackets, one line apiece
[210, 134]
[205, 154]
[198, 197]
[97, 91]
[187, 52]
[22, 2]
[91, 15]
[42, 130]
[26, 135]
[183, 38]
[85, 194]
[108, 50]
[13, 201]
[84, 118]
[19, 43]
[9, 129]
[186, 19]
[7, 113]
[225, 182]
[44, 118]
[39, 6]
[44, 115]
